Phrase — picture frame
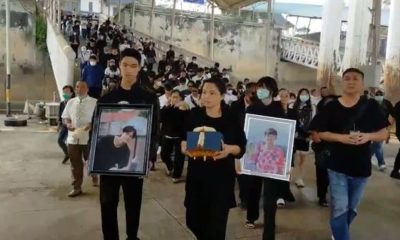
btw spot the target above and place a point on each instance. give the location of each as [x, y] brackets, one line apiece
[121, 139]
[269, 149]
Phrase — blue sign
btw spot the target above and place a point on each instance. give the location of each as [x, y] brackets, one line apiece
[195, 1]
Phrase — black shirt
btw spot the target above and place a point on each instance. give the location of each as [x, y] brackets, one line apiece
[137, 95]
[351, 160]
[109, 156]
[214, 180]
[397, 117]
[172, 119]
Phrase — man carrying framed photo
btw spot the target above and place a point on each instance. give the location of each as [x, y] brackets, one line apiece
[129, 92]
[349, 124]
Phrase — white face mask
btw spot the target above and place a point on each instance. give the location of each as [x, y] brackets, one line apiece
[93, 63]
[230, 91]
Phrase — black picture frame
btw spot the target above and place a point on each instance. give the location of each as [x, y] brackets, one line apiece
[109, 121]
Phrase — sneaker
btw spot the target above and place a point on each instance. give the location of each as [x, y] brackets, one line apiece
[323, 203]
[299, 183]
[395, 175]
[75, 193]
[249, 225]
[177, 180]
[281, 203]
[65, 159]
[382, 168]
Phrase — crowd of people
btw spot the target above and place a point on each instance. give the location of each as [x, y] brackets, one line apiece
[117, 66]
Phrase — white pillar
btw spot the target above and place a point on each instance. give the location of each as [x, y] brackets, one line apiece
[54, 12]
[392, 68]
[153, 3]
[212, 31]
[119, 12]
[271, 43]
[59, 15]
[109, 9]
[133, 9]
[357, 36]
[329, 42]
[8, 59]
[173, 20]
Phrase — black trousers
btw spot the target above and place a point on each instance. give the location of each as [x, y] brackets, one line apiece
[254, 187]
[62, 136]
[269, 216]
[243, 182]
[396, 167]
[322, 182]
[167, 147]
[109, 197]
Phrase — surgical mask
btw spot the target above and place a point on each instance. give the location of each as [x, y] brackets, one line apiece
[83, 49]
[230, 91]
[145, 69]
[263, 93]
[304, 98]
[66, 96]
[379, 98]
[93, 63]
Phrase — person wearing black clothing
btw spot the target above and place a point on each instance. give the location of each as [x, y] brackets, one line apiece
[150, 54]
[74, 41]
[238, 110]
[157, 85]
[170, 55]
[76, 28]
[267, 89]
[172, 130]
[321, 152]
[395, 172]
[68, 93]
[350, 124]
[303, 108]
[192, 67]
[162, 64]
[377, 147]
[128, 92]
[210, 183]
[117, 148]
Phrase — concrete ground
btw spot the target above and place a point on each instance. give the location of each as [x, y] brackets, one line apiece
[34, 184]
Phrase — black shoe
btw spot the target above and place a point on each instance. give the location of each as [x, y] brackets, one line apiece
[323, 203]
[65, 160]
[395, 175]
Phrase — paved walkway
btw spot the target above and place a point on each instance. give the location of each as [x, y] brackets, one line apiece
[34, 184]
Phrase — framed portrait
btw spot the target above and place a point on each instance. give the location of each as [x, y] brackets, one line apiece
[121, 138]
[269, 149]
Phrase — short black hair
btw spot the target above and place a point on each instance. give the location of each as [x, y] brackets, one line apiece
[353, 70]
[251, 85]
[129, 129]
[168, 87]
[179, 93]
[218, 82]
[130, 52]
[271, 131]
[269, 83]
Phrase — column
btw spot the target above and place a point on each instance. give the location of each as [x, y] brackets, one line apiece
[212, 31]
[173, 20]
[133, 9]
[153, 3]
[329, 43]
[392, 67]
[8, 60]
[119, 12]
[59, 15]
[358, 29]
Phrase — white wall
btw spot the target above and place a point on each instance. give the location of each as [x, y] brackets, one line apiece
[96, 5]
[62, 57]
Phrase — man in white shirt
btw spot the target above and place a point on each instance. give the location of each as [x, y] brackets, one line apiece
[77, 117]
[193, 100]
[164, 98]
[229, 96]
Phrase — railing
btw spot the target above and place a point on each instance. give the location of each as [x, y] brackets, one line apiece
[300, 51]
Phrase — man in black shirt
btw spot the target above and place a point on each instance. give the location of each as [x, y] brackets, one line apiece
[170, 55]
[395, 173]
[128, 92]
[350, 124]
[116, 152]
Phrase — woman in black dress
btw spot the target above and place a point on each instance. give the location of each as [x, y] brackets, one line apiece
[267, 90]
[304, 111]
[210, 183]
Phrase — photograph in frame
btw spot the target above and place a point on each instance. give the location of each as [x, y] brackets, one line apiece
[121, 138]
[269, 149]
